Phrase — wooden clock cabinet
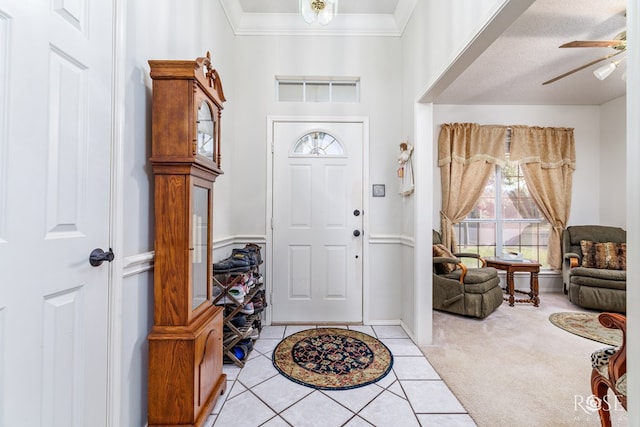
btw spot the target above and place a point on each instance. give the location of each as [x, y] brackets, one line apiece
[185, 343]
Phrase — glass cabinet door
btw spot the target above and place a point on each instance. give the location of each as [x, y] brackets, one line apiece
[200, 245]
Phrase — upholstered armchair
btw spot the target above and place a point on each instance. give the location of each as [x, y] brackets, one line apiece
[458, 289]
[609, 369]
[594, 267]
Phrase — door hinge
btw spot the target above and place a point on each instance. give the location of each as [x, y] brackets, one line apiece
[272, 223]
[272, 145]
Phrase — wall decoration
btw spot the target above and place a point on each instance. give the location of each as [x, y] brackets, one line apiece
[405, 171]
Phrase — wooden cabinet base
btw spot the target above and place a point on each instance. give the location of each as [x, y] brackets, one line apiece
[185, 371]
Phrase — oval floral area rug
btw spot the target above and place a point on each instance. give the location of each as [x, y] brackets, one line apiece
[332, 358]
[586, 325]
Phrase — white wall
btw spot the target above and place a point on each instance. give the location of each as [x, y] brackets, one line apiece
[613, 163]
[258, 60]
[436, 34]
[155, 29]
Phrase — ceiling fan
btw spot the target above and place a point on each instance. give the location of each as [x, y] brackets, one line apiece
[619, 43]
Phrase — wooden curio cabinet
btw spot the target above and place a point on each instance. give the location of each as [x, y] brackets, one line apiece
[185, 343]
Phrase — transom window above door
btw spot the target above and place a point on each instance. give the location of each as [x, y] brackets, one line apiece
[319, 144]
[318, 89]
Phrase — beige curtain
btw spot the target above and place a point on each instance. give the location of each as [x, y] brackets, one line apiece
[548, 158]
[467, 153]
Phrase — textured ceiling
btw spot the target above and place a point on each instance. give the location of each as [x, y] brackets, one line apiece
[513, 68]
[510, 71]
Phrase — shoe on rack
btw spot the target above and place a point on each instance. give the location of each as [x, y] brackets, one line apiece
[234, 295]
[259, 297]
[255, 334]
[248, 342]
[244, 254]
[257, 277]
[255, 249]
[231, 265]
[239, 352]
[248, 281]
[248, 308]
[257, 305]
[239, 320]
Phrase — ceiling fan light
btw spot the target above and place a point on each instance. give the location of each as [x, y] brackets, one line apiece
[605, 71]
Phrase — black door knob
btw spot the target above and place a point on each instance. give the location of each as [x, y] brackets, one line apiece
[356, 212]
[98, 256]
[356, 233]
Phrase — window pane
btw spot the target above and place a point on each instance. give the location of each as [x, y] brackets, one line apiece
[486, 206]
[516, 199]
[290, 92]
[476, 237]
[317, 92]
[343, 92]
[517, 226]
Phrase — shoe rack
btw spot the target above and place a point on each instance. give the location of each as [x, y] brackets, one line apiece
[248, 281]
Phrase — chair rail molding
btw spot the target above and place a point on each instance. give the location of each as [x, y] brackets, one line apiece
[138, 263]
[391, 239]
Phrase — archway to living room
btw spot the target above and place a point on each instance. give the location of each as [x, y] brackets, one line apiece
[425, 137]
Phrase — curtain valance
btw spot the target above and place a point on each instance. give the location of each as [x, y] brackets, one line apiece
[470, 142]
[549, 146]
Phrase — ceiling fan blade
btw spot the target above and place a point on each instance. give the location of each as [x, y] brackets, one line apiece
[595, 43]
[568, 73]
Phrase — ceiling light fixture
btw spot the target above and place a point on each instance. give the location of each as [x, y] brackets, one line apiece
[606, 70]
[321, 11]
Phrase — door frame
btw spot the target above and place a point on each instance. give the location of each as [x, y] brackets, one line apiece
[116, 217]
[364, 120]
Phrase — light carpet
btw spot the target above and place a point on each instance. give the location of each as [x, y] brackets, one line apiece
[515, 368]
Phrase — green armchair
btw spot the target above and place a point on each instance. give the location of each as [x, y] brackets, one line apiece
[594, 267]
[472, 292]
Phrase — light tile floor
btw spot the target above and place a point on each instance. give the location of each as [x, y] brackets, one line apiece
[412, 394]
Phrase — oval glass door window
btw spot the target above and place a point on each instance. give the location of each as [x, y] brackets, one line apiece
[318, 144]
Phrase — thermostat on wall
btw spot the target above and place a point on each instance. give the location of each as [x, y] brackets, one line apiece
[378, 190]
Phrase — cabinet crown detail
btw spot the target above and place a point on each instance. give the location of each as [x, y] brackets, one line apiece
[188, 100]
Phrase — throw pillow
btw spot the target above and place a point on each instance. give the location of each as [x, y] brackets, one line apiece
[607, 255]
[440, 250]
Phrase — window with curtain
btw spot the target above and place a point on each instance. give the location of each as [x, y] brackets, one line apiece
[505, 219]
[527, 172]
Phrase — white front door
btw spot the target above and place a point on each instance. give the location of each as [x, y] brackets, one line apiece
[317, 222]
[55, 140]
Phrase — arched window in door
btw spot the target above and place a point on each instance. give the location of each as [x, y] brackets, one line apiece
[318, 143]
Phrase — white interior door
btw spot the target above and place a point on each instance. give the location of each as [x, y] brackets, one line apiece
[317, 210]
[55, 139]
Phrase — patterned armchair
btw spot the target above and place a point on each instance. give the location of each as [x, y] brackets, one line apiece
[594, 267]
[457, 289]
[610, 369]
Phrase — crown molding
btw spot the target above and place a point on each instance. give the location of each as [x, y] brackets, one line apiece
[252, 24]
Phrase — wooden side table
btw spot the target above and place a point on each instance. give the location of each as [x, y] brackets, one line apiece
[521, 266]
